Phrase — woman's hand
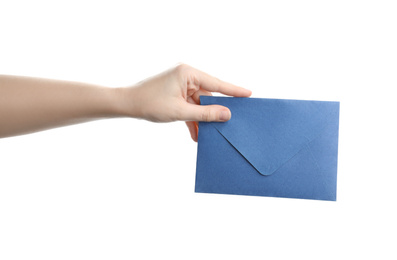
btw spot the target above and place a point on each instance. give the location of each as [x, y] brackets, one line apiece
[174, 95]
[30, 104]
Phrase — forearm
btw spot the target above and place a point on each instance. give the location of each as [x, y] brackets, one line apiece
[33, 104]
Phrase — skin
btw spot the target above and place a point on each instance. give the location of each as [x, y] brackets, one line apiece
[29, 105]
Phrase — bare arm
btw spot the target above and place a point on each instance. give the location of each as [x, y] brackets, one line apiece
[33, 104]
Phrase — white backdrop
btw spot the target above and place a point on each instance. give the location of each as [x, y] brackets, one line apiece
[124, 188]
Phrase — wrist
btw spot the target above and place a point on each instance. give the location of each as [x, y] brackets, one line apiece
[124, 102]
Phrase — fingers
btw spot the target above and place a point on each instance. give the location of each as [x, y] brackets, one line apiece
[213, 84]
[195, 99]
[200, 92]
[208, 113]
[193, 129]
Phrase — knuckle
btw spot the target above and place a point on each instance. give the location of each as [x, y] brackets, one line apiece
[181, 67]
[217, 84]
[206, 115]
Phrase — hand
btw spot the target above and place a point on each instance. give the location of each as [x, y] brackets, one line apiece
[174, 95]
[170, 96]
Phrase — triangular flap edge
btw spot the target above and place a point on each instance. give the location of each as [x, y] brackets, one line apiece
[271, 171]
[261, 173]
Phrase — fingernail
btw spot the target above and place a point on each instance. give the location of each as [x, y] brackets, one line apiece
[224, 115]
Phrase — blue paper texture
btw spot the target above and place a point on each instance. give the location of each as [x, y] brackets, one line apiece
[270, 147]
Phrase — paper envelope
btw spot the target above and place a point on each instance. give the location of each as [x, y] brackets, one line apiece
[270, 147]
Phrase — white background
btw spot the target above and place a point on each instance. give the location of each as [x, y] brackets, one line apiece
[124, 188]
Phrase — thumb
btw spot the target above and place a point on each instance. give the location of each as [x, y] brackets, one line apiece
[208, 113]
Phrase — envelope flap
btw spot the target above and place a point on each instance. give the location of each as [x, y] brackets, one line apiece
[261, 125]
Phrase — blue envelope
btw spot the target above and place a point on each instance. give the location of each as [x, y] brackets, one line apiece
[270, 147]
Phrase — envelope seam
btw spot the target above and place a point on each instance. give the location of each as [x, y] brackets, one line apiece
[239, 151]
[307, 144]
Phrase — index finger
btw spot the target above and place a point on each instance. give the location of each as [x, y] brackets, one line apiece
[213, 84]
